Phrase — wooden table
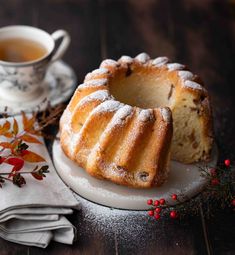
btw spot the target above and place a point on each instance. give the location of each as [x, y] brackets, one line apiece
[199, 33]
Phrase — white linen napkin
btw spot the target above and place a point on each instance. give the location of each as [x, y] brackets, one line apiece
[34, 214]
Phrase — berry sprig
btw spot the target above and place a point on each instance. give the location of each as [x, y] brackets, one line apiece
[220, 189]
[14, 150]
[159, 206]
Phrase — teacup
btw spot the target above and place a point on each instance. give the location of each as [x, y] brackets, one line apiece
[20, 81]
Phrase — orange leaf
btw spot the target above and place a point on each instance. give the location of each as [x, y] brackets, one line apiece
[29, 139]
[28, 123]
[8, 134]
[15, 127]
[5, 127]
[6, 145]
[32, 156]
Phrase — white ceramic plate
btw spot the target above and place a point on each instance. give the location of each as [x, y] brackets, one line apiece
[183, 178]
[60, 83]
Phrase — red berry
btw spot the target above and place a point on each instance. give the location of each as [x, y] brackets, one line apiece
[233, 202]
[158, 209]
[162, 201]
[227, 162]
[215, 182]
[157, 216]
[174, 196]
[173, 214]
[151, 213]
[213, 172]
[150, 202]
[156, 202]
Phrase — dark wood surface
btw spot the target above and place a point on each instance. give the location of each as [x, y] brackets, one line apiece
[198, 33]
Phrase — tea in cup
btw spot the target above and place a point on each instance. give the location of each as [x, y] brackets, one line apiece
[25, 54]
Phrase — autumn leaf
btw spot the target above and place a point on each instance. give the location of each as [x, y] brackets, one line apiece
[2, 159]
[29, 139]
[31, 157]
[40, 174]
[17, 164]
[6, 145]
[15, 127]
[4, 129]
[37, 176]
[8, 135]
[6, 126]
[28, 123]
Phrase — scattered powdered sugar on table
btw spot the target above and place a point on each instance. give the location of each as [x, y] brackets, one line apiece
[108, 222]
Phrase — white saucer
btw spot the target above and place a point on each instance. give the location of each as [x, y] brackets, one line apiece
[60, 82]
[183, 179]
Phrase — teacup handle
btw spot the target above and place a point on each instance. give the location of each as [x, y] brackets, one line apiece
[58, 54]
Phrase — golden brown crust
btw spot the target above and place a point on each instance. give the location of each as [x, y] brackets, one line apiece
[129, 145]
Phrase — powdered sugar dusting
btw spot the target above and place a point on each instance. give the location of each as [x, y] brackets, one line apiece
[74, 139]
[126, 59]
[65, 123]
[192, 85]
[119, 117]
[100, 95]
[107, 106]
[96, 73]
[185, 75]
[145, 115]
[160, 61]
[108, 63]
[175, 66]
[142, 57]
[166, 114]
[94, 83]
[65, 126]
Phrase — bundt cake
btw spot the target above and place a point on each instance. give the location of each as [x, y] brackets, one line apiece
[118, 124]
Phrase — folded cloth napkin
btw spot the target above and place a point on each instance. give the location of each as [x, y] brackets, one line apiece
[34, 214]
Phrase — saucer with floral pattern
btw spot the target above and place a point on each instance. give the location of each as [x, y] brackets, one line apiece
[58, 86]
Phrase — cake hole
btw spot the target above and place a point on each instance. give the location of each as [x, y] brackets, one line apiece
[192, 136]
[144, 87]
[194, 109]
[128, 71]
[170, 92]
[195, 145]
[143, 176]
[200, 100]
